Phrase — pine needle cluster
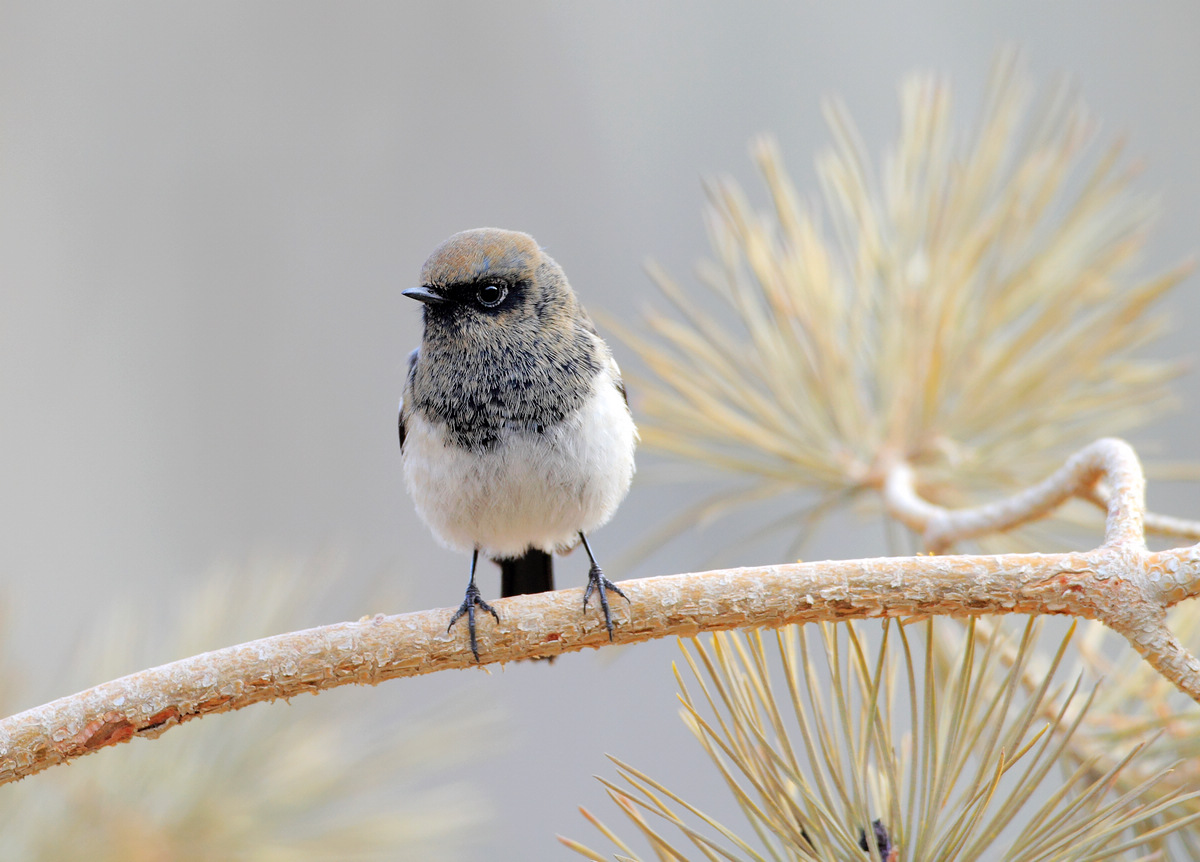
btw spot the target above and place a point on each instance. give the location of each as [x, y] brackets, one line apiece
[975, 311]
[851, 750]
[973, 308]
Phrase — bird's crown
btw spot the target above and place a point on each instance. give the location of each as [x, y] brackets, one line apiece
[477, 255]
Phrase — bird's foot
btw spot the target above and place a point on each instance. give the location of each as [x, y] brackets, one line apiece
[599, 584]
[471, 601]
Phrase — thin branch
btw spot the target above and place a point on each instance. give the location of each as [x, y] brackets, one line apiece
[1147, 589]
[1107, 458]
[1159, 525]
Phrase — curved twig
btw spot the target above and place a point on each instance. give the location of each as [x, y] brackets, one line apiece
[1108, 458]
[1159, 525]
[1108, 472]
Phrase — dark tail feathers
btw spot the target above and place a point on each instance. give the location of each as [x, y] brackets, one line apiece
[533, 572]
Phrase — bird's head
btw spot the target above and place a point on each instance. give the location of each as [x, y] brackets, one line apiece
[489, 280]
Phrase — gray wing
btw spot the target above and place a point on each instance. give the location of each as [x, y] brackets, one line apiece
[613, 369]
[412, 367]
[590, 327]
[620, 382]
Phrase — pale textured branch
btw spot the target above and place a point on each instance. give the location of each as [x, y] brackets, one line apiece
[1107, 470]
[1107, 458]
[1159, 525]
[1100, 584]
[1120, 583]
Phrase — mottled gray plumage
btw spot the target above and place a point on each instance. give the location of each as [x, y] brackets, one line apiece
[524, 370]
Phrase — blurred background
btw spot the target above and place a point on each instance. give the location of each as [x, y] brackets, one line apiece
[208, 212]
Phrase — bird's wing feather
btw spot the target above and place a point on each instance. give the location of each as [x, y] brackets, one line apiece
[586, 321]
[412, 367]
[618, 381]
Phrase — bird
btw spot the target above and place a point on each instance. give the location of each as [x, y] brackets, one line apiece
[516, 436]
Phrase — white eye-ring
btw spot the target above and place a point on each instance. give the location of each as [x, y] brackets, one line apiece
[490, 295]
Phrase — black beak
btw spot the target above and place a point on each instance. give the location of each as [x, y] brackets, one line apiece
[427, 295]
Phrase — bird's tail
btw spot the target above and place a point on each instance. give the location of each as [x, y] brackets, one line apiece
[532, 572]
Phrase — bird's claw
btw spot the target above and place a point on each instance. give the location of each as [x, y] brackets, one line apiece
[471, 601]
[600, 584]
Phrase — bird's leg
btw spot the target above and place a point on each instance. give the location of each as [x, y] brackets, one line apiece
[598, 583]
[469, 603]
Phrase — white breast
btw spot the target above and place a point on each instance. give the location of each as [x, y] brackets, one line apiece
[530, 490]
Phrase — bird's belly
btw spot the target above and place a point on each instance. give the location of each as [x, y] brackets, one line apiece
[530, 490]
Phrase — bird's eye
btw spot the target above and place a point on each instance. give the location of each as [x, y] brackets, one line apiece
[491, 295]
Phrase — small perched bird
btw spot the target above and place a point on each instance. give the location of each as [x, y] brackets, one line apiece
[515, 432]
